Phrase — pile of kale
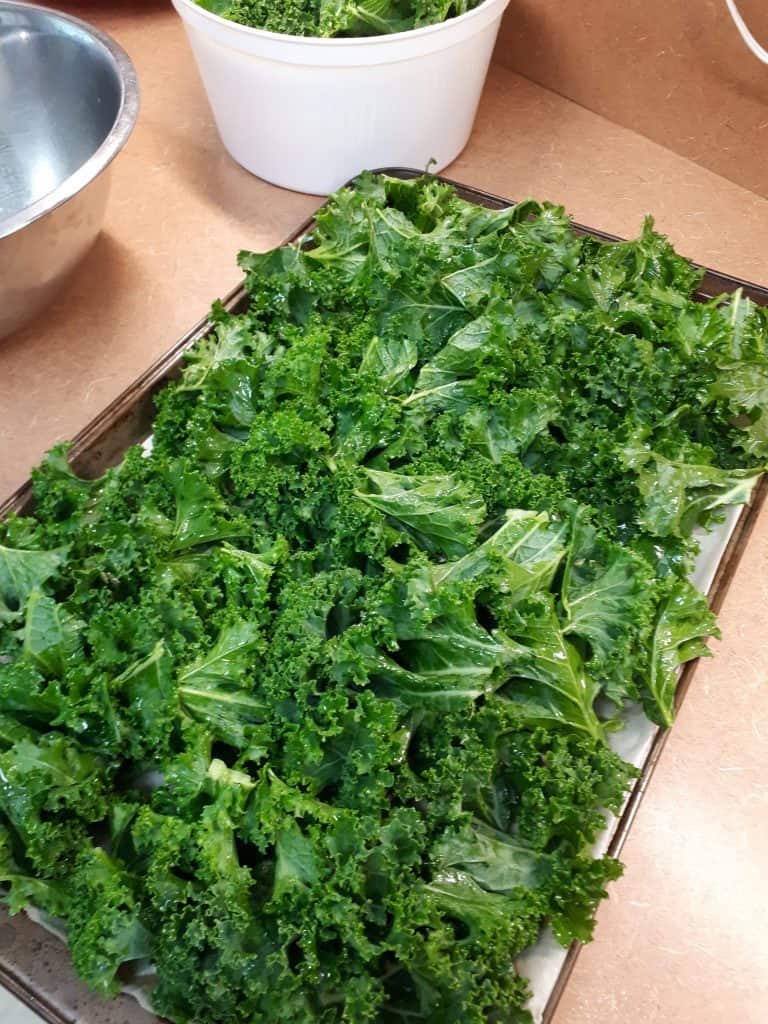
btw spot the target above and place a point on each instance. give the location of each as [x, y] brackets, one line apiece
[308, 705]
[327, 18]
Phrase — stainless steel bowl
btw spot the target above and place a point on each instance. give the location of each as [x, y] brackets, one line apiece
[68, 102]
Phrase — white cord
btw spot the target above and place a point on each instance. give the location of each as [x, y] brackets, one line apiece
[760, 52]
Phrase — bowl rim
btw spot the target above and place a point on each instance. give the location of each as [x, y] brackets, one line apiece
[118, 135]
[340, 42]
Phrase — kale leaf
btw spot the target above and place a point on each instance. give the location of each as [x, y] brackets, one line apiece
[337, 17]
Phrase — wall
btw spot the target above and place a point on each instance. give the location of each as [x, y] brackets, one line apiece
[674, 70]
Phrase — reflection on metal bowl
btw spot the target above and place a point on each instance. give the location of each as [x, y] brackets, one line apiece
[68, 103]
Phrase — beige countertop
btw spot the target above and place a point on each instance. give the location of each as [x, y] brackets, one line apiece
[684, 936]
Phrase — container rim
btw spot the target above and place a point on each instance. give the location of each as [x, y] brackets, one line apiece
[329, 42]
[118, 135]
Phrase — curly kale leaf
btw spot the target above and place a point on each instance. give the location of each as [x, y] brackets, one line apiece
[328, 18]
[683, 624]
[211, 689]
[608, 599]
[548, 677]
[442, 514]
[51, 635]
[22, 572]
[105, 929]
[679, 495]
[52, 791]
[522, 556]
[495, 861]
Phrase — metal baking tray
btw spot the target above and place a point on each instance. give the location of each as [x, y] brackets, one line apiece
[34, 964]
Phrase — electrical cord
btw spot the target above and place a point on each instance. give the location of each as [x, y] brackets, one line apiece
[759, 51]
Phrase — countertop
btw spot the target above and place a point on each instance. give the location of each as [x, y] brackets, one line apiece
[684, 935]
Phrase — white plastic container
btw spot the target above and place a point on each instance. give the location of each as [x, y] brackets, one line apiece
[309, 113]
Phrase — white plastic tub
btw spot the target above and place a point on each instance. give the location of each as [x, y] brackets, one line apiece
[309, 114]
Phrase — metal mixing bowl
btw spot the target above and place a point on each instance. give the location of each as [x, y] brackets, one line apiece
[68, 102]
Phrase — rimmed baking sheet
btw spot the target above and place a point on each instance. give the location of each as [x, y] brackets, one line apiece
[35, 965]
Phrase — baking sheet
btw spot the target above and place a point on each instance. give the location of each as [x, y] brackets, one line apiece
[53, 992]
